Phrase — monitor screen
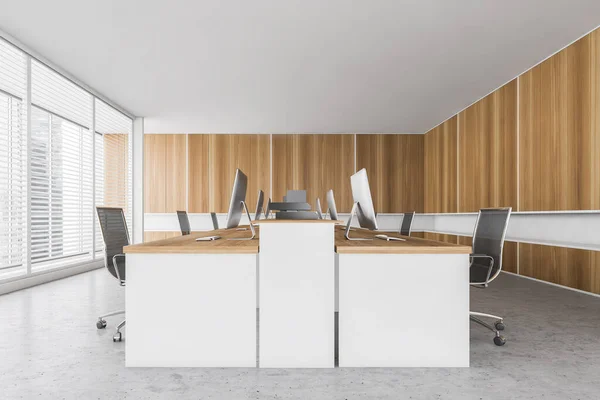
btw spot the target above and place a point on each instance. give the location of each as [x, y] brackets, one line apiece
[361, 193]
[331, 205]
[259, 205]
[238, 195]
[319, 212]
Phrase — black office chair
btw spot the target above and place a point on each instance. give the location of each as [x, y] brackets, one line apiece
[215, 221]
[486, 260]
[184, 223]
[115, 236]
[406, 225]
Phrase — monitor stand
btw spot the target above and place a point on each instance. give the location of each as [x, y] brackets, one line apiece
[243, 203]
[347, 234]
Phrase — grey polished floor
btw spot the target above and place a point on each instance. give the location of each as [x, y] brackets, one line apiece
[50, 349]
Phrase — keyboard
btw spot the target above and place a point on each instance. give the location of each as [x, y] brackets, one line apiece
[388, 238]
[207, 238]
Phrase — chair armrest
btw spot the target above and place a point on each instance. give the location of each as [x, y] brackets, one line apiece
[479, 256]
[114, 260]
[474, 256]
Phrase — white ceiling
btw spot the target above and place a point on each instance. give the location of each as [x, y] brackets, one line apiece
[277, 66]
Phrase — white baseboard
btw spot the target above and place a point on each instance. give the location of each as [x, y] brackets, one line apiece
[48, 276]
[552, 284]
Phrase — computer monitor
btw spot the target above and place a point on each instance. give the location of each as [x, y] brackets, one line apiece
[319, 212]
[361, 193]
[268, 209]
[259, 205]
[238, 198]
[331, 205]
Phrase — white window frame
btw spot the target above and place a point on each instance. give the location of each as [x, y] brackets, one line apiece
[97, 259]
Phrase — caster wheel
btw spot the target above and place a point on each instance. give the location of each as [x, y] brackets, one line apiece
[499, 341]
[117, 337]
[499, 325]
[101, 324]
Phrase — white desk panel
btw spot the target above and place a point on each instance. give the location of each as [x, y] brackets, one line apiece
[191, 310]
[296, 291]
[403, 310]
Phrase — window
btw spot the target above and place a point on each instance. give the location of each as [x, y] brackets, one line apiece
[75, 155]
[13, 162]
[61, 191]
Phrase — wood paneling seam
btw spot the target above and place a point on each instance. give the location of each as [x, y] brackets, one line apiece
[518, 177]
[355, 150]
[270, 169]
[457, 163]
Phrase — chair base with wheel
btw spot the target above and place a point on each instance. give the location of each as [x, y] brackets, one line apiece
[117, 337]
[498, 326]
[101, 324]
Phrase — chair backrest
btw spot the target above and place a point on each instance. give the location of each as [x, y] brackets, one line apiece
[488, 239]
[406, 225]
[215, 221]
[115, 236]
[184, 223]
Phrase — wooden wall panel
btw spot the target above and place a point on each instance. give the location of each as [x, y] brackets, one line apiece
[558, 117]
[557, 127]
[315, 163]
[394, 165]
[116, 164]
[559, 155]
[251, 154]
[164, 173]
[175, 173]
[440, 168]
[487, 152]
[594, 285]
[574, 268]
[592, 41]
[154, 173]
[198, 165]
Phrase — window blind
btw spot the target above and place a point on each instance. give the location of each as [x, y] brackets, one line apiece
[114, 188]
[13, 70]
[61, 191]
[53, 93]
[13, 161]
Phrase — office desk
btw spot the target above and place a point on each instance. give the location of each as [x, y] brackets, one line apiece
[192, 304]
[402, 304]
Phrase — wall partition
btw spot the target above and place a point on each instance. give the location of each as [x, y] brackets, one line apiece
[195, 172]
[533, 145]
[62, 153]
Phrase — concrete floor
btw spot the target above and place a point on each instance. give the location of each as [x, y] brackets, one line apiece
[51, 349]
